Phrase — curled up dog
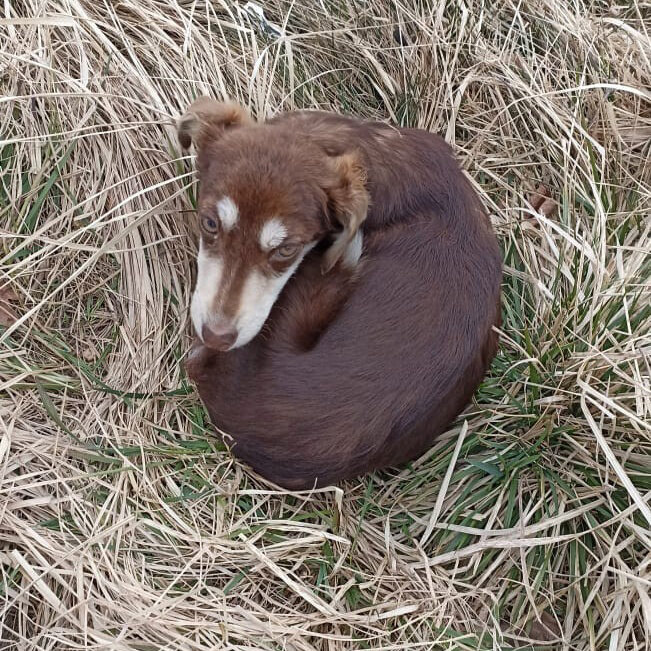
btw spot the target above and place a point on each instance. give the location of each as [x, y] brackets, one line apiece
[347, 292]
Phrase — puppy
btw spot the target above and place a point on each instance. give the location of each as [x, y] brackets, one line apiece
[348, 285]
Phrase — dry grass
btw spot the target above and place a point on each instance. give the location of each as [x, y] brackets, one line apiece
[123, 525]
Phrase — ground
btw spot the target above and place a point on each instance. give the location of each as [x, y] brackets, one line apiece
[125, 525]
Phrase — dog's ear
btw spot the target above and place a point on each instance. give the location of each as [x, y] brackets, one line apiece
[349, 202]
[206, 120]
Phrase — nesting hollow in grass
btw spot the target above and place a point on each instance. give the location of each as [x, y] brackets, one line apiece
[124, 525]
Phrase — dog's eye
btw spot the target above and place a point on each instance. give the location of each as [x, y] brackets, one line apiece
[285, 252]
[209, 224]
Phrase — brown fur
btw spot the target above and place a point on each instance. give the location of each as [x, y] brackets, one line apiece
[267, 173]
[355, 369]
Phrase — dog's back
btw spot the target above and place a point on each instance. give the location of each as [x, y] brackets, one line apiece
[357, 371]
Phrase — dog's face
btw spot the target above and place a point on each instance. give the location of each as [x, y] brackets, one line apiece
[266, 199]
[260, 212]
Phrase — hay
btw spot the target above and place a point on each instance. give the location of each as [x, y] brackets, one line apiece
[124, 525]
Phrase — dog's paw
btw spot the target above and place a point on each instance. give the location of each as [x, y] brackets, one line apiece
[196, 359]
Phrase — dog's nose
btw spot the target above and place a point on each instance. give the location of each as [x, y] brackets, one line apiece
[218, 338]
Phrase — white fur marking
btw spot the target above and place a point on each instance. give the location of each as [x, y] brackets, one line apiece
[258, 296]
[272, 234]
[353, 251]
[209, 274]
[228, 213]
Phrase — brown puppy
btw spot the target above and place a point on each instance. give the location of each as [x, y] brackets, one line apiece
[348, 285]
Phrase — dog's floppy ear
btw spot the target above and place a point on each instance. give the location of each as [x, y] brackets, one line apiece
[206, 119]
[349, 201]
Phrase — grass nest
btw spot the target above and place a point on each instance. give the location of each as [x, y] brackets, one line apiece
[123, 523]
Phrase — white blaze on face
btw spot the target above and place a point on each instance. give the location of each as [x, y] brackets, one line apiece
[210, 270]
[272, 234]
[228, 213]
[258, 294]
[258, 297]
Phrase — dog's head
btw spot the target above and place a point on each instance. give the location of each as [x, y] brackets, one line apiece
[267, 197]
